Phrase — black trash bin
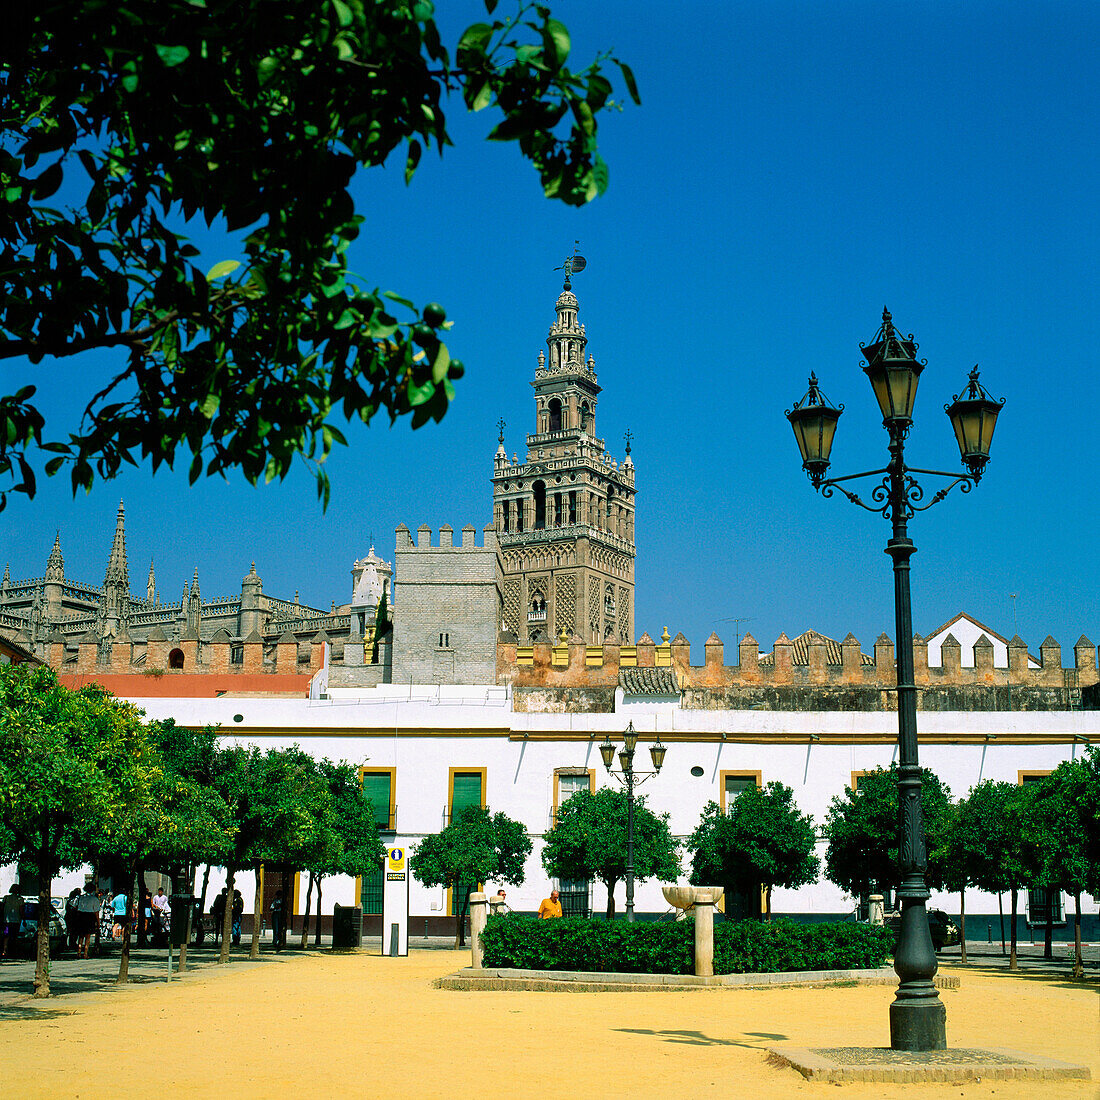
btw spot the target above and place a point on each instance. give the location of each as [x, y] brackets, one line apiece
[177, 926]
[347, 927]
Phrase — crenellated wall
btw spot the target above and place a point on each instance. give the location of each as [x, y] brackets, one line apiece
[813, 673]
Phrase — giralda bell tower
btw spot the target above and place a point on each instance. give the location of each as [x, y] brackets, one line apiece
[564, 516]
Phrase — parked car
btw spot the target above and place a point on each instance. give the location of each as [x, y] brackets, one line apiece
[26, 940]
[944, 931]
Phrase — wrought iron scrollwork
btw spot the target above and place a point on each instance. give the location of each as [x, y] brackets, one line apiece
[912, 492]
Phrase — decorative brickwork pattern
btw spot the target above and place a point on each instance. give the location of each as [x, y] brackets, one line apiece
[624, 616]
[594, 616]
[511, 606]
[565, 603]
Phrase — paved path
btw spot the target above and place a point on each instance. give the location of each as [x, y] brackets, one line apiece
[363, 1025]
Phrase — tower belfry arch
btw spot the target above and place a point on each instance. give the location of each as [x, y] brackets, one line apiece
[564, 515]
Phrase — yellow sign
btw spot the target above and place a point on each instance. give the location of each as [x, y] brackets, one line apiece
[395, 859]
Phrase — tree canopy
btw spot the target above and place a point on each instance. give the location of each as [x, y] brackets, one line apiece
[81, 776]
[589, 841]
[475, 847]
[862, 830]
[762, 840]
[124, 125]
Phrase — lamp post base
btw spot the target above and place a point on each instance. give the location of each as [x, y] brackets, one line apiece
[918, 1025]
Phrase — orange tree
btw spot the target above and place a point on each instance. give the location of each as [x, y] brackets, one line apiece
[474, 847]
[124, 123]
[589, 840]
[762, 840]
[75, 766]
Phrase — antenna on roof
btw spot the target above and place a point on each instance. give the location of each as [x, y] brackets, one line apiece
[737, 628]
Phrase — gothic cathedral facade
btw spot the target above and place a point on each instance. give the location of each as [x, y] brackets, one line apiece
[565, 517]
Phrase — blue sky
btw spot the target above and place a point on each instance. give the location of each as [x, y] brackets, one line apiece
[793, 167]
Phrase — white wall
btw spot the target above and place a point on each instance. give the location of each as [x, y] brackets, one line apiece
[425, 731]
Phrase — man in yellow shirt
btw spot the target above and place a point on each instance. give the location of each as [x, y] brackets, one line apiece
[550, 906]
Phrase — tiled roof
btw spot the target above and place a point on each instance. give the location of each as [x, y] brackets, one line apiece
[800, 651]
[648, 681]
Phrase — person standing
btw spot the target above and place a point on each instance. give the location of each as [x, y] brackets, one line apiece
[121, 917]
[217, 911]
[237, 913]
[162, 912]
[550, 907]
[72, 921]
[13, 918]
[277, 920]
[87, 914]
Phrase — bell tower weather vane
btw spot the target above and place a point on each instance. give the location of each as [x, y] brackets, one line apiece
[573, 266]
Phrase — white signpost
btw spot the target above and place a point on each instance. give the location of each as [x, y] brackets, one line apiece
[395, 902]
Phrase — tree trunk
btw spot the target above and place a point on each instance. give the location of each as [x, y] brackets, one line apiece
[460, 922]
[1078, 964]
[205, 884]
[227, 916]
[42, 936]
[305, 913]
[288, 907]
[189, 871]
[610, 898]
[258, 907]
[768, 904]
[98, 922]
[1048, 934]
[1001, 910]
[962, 926]
[128, 930]
[139, 904]
[1012, 932]
[317, 933]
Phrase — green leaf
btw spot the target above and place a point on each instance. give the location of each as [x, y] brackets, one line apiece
[343, 12]
[267, 69]
[209, 407]
[475, 38]
[173, 55]
[441, 363]
[412, 160]
[483, 97]
[54, 465]
[560, 37]
[419, 394]
[220, 270]
[398, 299]
[631, 85]
[50, 180]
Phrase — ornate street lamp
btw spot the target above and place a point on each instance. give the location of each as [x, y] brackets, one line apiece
[630, 778]
[917, 1016]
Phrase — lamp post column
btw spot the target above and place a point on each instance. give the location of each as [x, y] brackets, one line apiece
[918, 1018]
[630, 837]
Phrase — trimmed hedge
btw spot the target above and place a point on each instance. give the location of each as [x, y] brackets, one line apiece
[668, 947]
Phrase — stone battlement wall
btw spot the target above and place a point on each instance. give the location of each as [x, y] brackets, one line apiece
[779, 681]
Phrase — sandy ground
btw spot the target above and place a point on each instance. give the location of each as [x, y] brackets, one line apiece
[367, 1026]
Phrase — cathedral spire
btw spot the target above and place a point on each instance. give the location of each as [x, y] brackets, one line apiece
[118, 572]
[151, 585]
[55, 565]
